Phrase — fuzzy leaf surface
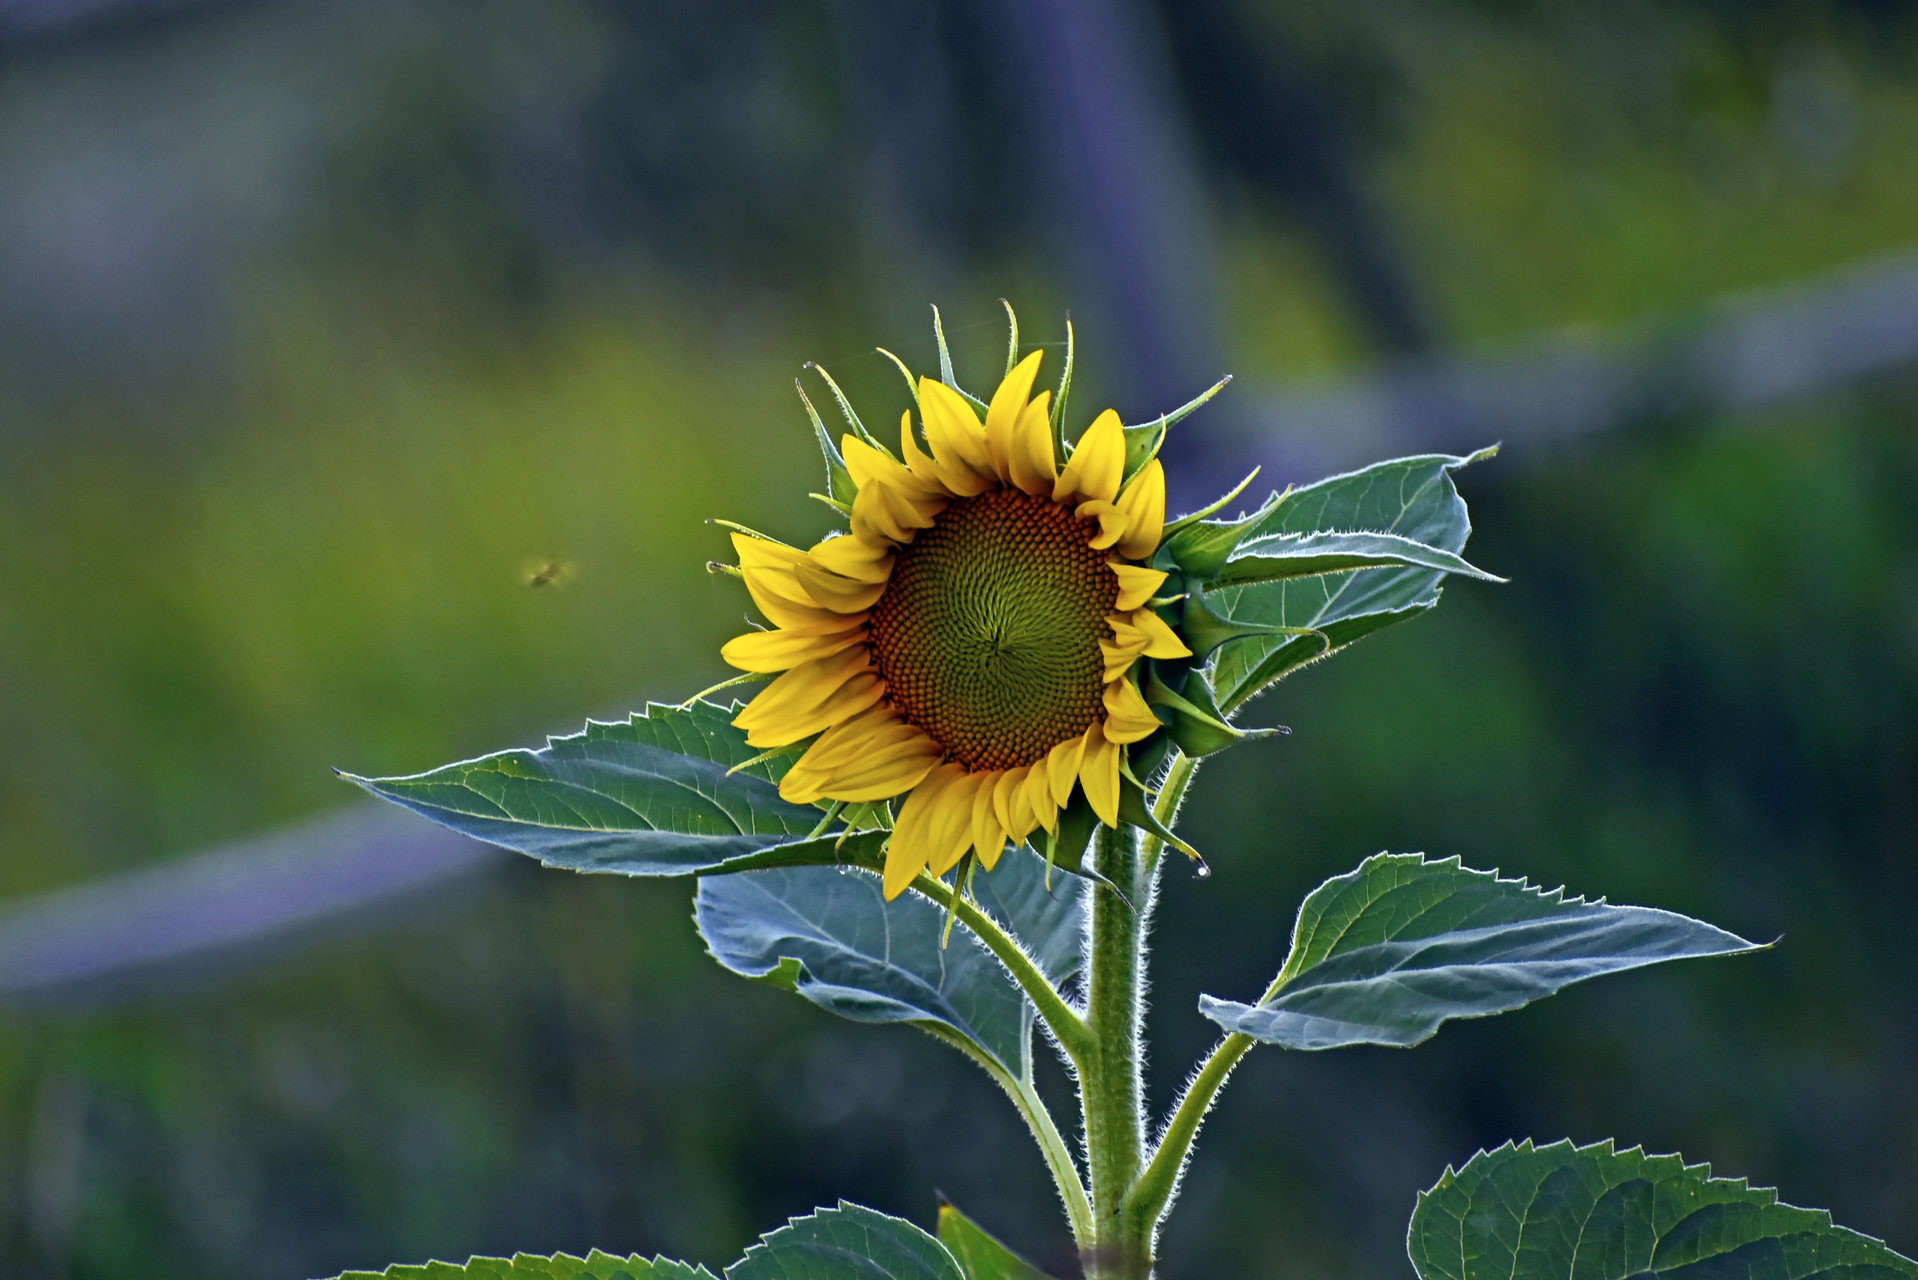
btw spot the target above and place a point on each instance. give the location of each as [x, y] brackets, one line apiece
[1412, 498]
[526, 1266]
[1592, 1213]
[846, 1243]
[979, 1254]
[1386, 953]
[1309, 555]
[647, 796]
[828, 934]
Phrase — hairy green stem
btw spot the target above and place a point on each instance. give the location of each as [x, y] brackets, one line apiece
[1111, 1080]
[1071, 1031]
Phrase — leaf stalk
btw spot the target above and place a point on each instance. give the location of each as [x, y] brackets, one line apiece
[1068, 1028]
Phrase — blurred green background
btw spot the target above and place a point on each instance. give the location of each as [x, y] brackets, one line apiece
[323, 325]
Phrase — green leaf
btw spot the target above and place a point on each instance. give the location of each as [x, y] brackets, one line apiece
[1592, 1213]
[1384, 954]
[831, 934]
[980, 1256]
[648, 796]
[525, 1266]
[1413, 498]
[1308, 555]
[846, 1243]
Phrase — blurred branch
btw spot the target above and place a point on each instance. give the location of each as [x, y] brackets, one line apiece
[49, 21]
[1261, 113]
[1125, 191]
[1544, 397]
[246, 901]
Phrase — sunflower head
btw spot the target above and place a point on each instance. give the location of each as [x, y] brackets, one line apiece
[967, 649]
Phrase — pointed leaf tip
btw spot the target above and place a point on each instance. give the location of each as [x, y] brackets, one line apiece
[1387, 953]
[656, 794]
[847, 1242]
[979, 1254]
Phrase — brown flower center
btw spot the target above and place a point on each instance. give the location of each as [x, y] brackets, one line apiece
[987, 635]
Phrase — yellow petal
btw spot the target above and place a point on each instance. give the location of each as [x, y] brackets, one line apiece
[1119, 656]
[804, 686]
[1097, 463]
[763, 553]
[782, 584]
[911, 846]
[957, 441]
[1062, 768]
[1136, 585]
[857, 694]
[877, 777]
[854, 757]
[871, 561]
[1038, 795]
[988, 833]
[1112, 521]
[783, 612]
[768, 571]
[884, 510]
[1100, 775]
[1161, 640]
[1031, 456]
[848, 744]
[952, 820]
[807, 699]
[1010, 806]
[769, 651]
[1002, 415]
[1128, 718]
[1143, 503]
[867, 465]
[918, 461]
[836, 592]
[1019, 805]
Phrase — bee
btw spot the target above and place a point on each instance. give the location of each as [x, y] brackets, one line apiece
[547, 573]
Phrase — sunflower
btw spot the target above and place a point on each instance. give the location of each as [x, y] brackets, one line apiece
[970, 643]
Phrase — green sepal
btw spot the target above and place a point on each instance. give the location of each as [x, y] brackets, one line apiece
[1067, 842]
[1142, 759]
[980, 1255]
[1201, 550]
[1198, 726]
[912, 384]
[1211, 508]
[945, 360]
[1203, 630]
[1134, 809]
[1059, 404]
[845, 408]
[869, 815]
[839, 485]
[1142, 443]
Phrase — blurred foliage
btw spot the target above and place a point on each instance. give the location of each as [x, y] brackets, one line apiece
[324, 327]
